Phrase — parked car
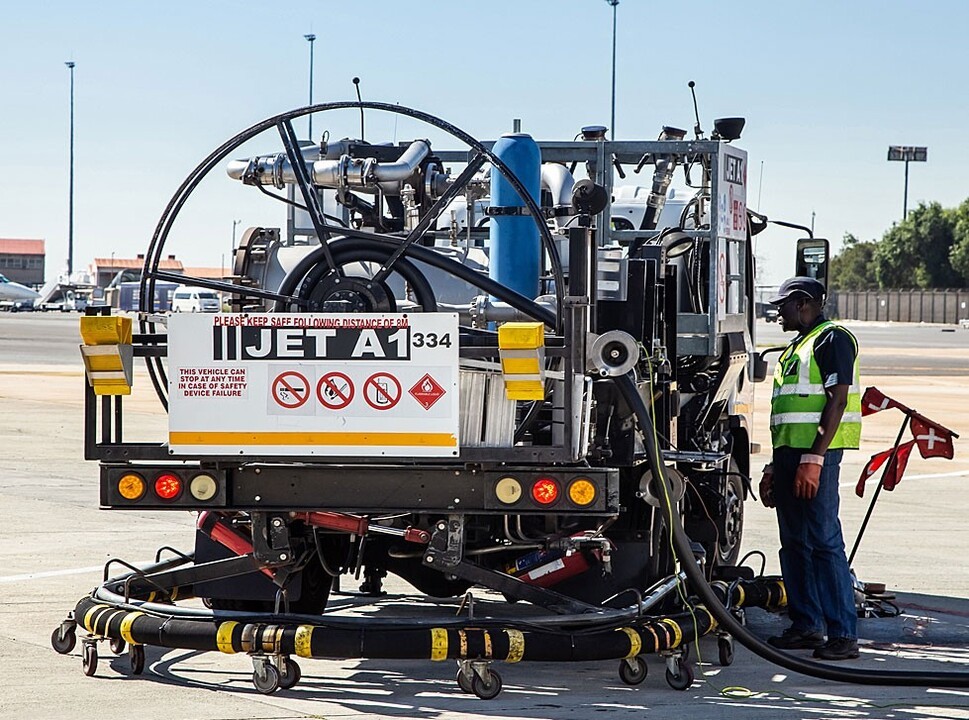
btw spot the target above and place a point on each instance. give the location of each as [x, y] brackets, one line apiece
[193, 299]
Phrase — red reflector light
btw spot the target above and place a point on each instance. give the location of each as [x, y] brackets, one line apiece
[545, 491]
[168, 486]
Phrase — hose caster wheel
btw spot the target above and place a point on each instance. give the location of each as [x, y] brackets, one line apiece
[265, 677]
[64, 637]
[487, 687]
[632, 671]
[725, 650]
[289, 673]
[679, 674]
[136, 659]
[463, 677]
[89, 656]
[117, 645]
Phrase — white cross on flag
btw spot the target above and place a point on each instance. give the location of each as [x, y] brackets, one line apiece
[933, 439]
[874, 400]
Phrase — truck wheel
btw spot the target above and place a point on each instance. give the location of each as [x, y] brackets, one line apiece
[731, 527]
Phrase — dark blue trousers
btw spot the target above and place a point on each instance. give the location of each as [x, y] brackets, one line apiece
[820, 597]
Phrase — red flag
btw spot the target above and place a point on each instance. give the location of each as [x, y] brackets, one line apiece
[893, 474]
[874, 400]
[933, 439]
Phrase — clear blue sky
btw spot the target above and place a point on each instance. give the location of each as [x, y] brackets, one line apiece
[825, 86]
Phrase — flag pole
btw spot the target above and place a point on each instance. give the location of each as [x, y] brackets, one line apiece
[874, 498]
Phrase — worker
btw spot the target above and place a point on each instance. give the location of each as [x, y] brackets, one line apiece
[815, 417]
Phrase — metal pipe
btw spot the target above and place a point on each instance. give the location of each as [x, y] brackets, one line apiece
[345, 172]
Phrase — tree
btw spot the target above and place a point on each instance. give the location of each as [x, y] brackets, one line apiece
[852, 268]
[915, 252]
[959, 255]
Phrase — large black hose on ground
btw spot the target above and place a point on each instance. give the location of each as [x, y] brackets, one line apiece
[492, 639]
[699, 585]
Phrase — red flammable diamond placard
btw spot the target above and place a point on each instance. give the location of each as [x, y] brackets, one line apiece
[426, 391]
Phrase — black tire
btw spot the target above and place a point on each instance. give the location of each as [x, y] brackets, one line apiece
[290, 674]
[731, 525]
[683, 679]
[633, 671]
[486, 689]
[89, 659]
[725, 651]
[266, 679]
[117, 645]
[136, 659]
[65, 644]
[464, 682]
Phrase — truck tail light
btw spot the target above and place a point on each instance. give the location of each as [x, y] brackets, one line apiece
[508, 490]
[203, 487]
[168, 486]
[132, 486]
[582, 492]
[545, 491]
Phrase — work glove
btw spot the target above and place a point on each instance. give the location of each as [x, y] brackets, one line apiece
[808, 477]
[766, 488]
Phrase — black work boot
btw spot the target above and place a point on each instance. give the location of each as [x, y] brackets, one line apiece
[792, 639]
[838, 649]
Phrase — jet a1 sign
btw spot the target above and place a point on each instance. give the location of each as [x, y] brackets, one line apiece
[314, 385]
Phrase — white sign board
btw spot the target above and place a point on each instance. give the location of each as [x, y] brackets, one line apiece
[732, 193]
[381, 385]
[731, 224]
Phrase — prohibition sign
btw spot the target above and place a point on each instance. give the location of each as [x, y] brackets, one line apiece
[335, 390]
[291, 390]
[381, 391]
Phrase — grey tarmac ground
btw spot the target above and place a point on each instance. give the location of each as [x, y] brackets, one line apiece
[54, 540]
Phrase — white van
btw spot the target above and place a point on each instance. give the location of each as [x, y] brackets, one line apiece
[193, 299]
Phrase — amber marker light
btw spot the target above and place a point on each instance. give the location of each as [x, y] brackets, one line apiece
[582, 492]
[168, 486]
[508, 490]
[545, 491]
[131, 486]
[203, 487]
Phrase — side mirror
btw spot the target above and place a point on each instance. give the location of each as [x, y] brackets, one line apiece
[812, 259]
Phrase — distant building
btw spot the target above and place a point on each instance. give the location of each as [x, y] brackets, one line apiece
[103, 270]
[22, 261]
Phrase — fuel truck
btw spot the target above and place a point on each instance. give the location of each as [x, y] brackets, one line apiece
[465, 367]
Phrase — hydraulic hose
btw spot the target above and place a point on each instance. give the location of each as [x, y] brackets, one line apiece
[699, 585]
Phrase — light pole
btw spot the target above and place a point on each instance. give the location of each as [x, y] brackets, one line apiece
[612, 123]
[311, 38]
[70, 190]
[907, 153]
[234, 223]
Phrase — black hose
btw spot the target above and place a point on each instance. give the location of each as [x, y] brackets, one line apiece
[681, 546]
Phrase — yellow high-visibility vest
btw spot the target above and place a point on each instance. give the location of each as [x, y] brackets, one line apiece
[799, 397]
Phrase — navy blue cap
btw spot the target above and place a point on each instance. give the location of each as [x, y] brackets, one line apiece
[799, 287]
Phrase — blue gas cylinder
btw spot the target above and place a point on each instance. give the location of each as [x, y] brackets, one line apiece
[515, 253]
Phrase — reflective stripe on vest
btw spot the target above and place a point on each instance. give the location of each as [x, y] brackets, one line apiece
[799, 397]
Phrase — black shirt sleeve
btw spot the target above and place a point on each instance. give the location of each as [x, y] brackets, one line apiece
[835, 352]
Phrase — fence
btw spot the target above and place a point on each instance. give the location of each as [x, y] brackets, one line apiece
[930, 306]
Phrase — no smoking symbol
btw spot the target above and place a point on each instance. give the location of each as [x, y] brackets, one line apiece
[381, 391]
[291, 390]
[335, 390]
